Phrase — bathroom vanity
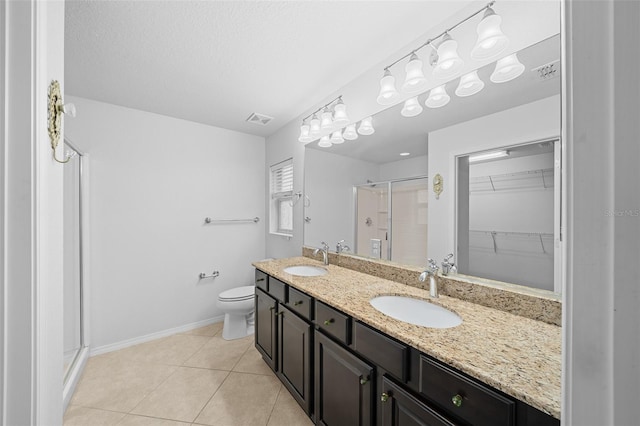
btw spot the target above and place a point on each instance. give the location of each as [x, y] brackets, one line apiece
[345, 363]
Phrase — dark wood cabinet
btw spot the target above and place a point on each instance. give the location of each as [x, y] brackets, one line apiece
[266, 330]
[401, 408]
[344, 386]
[294, 355]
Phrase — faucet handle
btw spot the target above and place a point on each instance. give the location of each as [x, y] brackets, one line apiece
[449, 256]
[433, 265]
[325, 246]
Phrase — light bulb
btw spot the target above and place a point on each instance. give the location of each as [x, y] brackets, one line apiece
[438, 97]
[326, 121]
[411, 107]
[350, 133]
[507, 69]
[449, 63]
[340, 117]
[470, 84]
[388, 93]
[324, 142]
[336, 137]
[415, 79]
[314, 126]
[305, 135]
[366, 127]
[491, 40]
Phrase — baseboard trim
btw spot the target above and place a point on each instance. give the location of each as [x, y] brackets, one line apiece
[153, 336]
[74, 377]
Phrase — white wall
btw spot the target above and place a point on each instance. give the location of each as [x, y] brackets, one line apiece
[329, 180]
[153, 181]
[408, 167]
[530, 122]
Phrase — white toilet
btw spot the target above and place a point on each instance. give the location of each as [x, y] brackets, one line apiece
[237, 305]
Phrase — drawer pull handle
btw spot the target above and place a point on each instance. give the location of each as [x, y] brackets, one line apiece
[298, 303]
[329, 321]
[457, 400]
[271, 308]
[384, 397]
[280, 313]
[259, 279]
[364, 380]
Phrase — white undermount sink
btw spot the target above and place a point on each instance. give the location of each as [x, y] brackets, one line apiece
[416, 311]
[305, 270]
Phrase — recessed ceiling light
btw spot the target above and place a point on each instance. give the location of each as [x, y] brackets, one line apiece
[404, 154]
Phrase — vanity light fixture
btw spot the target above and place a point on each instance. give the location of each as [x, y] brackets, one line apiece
[507, 69]
[305, 133]
[491, 40]
[411, 107]
[488, 156]
[438, 97]
[388, 93]
[449, 62]
[366, 126]
[336, 137]
[470, 84]
[326, 119]
[340, 117]
[324, 142]
[314, 126]
[415, 80]
[350, 133]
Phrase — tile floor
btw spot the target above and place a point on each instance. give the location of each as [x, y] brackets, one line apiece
[195, 378]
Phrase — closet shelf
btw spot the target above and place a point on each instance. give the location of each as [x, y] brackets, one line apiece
[538, 178]
[519, 241]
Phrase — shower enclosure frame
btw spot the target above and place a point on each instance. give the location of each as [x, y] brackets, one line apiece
[73, 373]
[389, 185]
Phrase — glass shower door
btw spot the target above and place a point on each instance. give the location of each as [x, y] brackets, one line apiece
[372, 221]
[409, 221]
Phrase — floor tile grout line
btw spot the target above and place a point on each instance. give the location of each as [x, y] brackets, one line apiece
[211, 397]
[274, 404]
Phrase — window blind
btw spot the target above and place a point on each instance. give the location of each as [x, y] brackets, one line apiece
[282, 179]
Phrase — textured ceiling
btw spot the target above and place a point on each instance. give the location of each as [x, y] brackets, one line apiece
[217, 62]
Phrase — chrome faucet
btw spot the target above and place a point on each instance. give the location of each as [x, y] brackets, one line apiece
[432, 273]
[340, 247]
[448, 266]
[325, 252]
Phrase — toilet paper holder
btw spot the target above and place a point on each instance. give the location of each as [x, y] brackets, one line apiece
[213, 275]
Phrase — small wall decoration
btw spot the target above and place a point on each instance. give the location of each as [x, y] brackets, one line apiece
[437, 185]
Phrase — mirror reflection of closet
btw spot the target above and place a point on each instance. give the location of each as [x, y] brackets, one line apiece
[508, 215]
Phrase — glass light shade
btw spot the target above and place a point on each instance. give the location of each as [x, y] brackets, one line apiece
[314, 126]
[438, 97]
[388, 93]
[340, 117]
[324, 142]
[449, 63]
[305, 135]
[411, 107]
[415, 79]
[350, 133]
[507, 69]
[336, 137]
[470, 84]
[326, 121]
[366, 127]
[491, 40]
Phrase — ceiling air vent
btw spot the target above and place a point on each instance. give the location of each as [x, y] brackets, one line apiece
[260, 119]
[548, 71]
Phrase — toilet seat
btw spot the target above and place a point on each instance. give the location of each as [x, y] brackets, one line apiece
[246, 292]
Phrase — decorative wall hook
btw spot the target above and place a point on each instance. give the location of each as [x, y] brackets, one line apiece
[55, 110]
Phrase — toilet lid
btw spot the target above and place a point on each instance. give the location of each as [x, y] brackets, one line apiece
[238, 293]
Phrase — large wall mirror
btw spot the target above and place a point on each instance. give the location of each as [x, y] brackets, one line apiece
[500, 216]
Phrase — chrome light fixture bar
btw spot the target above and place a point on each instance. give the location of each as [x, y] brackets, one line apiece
[310, 130]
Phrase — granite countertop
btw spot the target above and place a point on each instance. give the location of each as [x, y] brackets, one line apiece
[517, 355]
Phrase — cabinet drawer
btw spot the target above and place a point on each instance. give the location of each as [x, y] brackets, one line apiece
[299, 302]
[392, 356]
[333, 322]
[261, 280]
[463, 397]
[277, 289]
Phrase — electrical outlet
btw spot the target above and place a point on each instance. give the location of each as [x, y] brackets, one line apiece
[547, 71]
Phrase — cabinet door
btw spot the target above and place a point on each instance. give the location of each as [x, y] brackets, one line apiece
[343, 386]
[294, 350]
[400, 408]
[266, 327]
